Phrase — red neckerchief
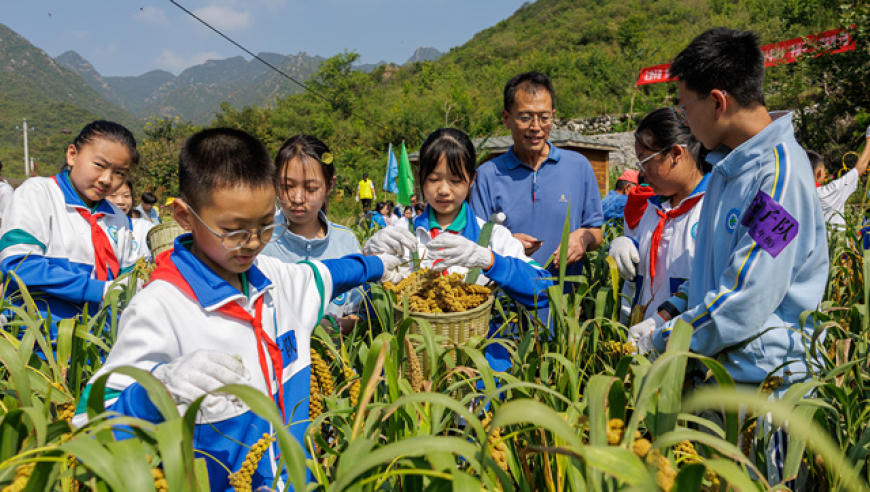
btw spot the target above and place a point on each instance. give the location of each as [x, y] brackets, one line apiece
[167, 271]
[657, 234]
[103, 252]
[635, 205]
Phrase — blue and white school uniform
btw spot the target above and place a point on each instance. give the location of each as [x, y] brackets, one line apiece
[47, 241]
[140, 237]
[744, 303]
[676, 252]
[186, 310]
[338, 241]
[514, 272]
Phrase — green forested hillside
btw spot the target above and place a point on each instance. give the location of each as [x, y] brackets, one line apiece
[593, 50]
[54, 100]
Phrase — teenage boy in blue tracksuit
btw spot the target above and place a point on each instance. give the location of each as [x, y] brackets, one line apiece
[762, 255]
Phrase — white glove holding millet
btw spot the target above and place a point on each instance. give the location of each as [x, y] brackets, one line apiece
[456, 250]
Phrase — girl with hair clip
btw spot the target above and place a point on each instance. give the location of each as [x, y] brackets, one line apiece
[306, 177]
[123, 199]
[447, 232]
[655, 257]
[44, 229]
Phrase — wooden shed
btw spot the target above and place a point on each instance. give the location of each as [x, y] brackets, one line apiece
[597, 152]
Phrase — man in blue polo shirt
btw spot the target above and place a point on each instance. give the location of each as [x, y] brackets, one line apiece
[535, 183]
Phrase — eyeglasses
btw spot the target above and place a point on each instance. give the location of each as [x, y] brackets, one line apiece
[526, 119]
[642, 162]
[236, 240]
[680, 111]
[292, 194]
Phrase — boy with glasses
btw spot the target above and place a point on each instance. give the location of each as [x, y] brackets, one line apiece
[216, 314]
[761, 255]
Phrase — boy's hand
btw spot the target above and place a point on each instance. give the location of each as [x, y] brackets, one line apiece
[456, 250]
[390, 241]
[391, 268]
[641, 333]
[193, 375]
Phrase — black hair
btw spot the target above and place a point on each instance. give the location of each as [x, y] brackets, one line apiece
[379, 206]
[148, 198]
[135, 214]
[365, 175]
[408, 208]
[419, 208]
[129, 184]
[724, 59]
[307, 148]
[621, 184]
[455, 147]
[529, 82]
[661, 129]
[222, 157]
[110, 131]
[815, 159]
[391, 204]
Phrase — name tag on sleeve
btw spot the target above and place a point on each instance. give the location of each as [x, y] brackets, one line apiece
[770, 225]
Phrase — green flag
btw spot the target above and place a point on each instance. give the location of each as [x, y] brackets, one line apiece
[405, 180]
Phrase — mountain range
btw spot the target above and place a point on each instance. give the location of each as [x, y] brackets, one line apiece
[197, 93]
[59, 95]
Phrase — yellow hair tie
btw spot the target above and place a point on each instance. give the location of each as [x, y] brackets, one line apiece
[326, 158]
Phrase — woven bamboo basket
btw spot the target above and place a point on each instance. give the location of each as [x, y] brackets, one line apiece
[162, 236]
[456, 327]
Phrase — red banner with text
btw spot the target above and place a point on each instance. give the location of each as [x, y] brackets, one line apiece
[834, 41]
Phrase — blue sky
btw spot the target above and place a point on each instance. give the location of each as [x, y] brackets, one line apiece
[131, 37]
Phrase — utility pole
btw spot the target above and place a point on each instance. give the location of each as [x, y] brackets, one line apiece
[26, 149]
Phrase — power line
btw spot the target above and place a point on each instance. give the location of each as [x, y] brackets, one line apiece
[276, 69]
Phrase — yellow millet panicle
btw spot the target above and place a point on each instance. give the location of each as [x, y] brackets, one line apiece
[618, 349]
[22, 476]
[641, 447]
[415, 376]
[772, 384]
[499, 449]
[354, 386]
[324, 375]
[241, 479]
[160, 482]
[429, 291]
[665, 473]
[615, 431]
[315, 404]
[685, 453]
[748, 439]
[710, 476]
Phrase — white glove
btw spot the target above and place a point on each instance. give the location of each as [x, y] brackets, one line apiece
[193, 375]
[457, 250]
[623, 250]
[641, 333]
[391, 269]
[390, 241]
[867, 133]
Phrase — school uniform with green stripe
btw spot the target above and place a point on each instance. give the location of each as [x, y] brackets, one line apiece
[163, 323]
[744, 302]
[47, 243]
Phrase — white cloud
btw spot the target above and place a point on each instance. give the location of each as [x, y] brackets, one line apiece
[225, 18]
[152, 15]
[176, 63]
